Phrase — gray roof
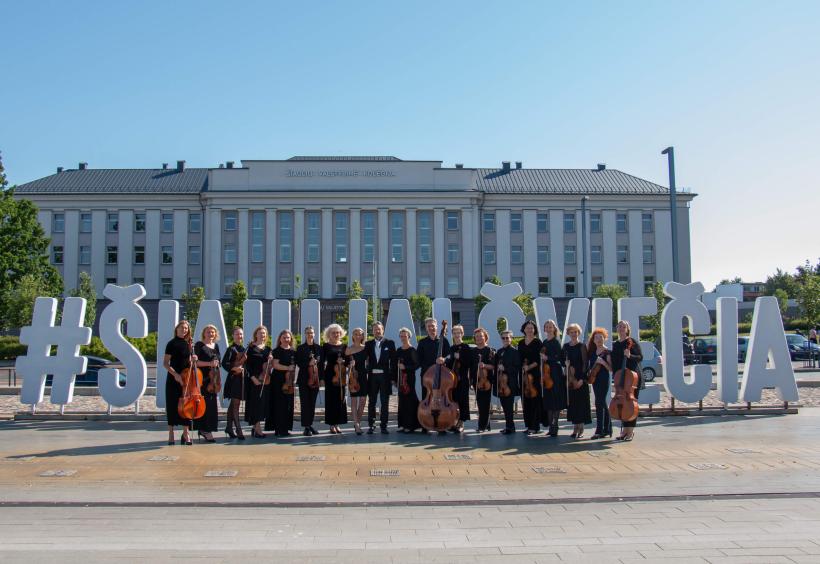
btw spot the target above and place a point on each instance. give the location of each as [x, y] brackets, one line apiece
[355, 159]
[563, 181]
[130, 180]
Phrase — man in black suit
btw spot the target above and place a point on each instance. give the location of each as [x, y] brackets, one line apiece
[428, 353]
[381, 358]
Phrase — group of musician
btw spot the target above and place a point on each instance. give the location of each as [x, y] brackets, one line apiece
[548, 377]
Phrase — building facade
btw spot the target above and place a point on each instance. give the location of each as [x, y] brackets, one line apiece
[398, 227]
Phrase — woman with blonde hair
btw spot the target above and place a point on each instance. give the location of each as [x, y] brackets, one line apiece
[482, 364]
[626, 349]
[335, 363]
[284, 371]
[208, 355]
[407, 361]
[357, 360]
[257, 367]
[555, 398]
[575, 358]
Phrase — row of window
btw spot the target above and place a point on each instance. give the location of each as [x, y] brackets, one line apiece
[595, 255]
[113, 222]
[542, 222]
[112, 254]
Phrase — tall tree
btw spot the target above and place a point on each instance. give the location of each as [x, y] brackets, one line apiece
[782, 280]
[19, 301]
[782, 300]
[421, 307]
[355, 292]
[87, 290]
[192, 301]
[654, 321]
[234, 311]
[808, 297]
[299, 295]
[612, 291]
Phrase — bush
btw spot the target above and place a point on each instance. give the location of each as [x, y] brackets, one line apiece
[10, 348]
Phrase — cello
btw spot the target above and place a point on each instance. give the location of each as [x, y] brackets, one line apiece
[438, 411]
[191, 404]
[624, 405]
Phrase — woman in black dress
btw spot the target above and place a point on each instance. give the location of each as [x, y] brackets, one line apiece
[407, 361]
[178, 353]
[282, 384]
[482, 359]
[529, 348]
[357, 360]
[333, 357]
[459, 361]
[575, 356]
[234, 386]
[308, 354]
[207, 354]
[555, 398]
[256, 393]
[599, 356]
[627, 348]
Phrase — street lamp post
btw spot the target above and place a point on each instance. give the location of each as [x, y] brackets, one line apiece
[584, 245]
[673, 207]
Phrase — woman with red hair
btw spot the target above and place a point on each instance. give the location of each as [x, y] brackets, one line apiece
[600, 365]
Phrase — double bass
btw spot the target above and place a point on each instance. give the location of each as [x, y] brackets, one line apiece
[191, 404]
[624, 405]
[438, 411]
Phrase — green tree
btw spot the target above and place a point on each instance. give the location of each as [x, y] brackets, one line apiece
[192, 301]
[19, 301]
[354, 292]
[735, 280]
[782, 300]
[782, 280]
[299, 294]
[612, 291]
[234, 310]
[654, 321]
[808, 298]
[421, 307]
[87, 290]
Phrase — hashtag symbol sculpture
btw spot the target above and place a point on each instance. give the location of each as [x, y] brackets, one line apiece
[38, 361]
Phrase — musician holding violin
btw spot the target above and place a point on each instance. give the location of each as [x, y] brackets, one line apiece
[529, 349]
[599, 375]
[507, 376]
[234, 364]
[334, 374]
[208, 355]
[553, 379]
[459, 361]
[282, 385]
[178, 357]
[482, 376]
[626, 352]
[308, 360]
[575, 360]
[407, 361]
[258, 366]
[357, 377]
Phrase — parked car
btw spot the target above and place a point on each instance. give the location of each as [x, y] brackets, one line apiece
[652, 363]
[705, 349]
[801, 348]
[688, 351]
[742, 347]
[95, 363]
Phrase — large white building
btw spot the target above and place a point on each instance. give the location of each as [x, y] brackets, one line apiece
[327, 221]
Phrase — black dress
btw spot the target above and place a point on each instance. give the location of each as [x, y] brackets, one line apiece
[408, 402]
[180, 352]
[233, 386]
[361, 372]
[307, 395]
[554, 399]
[335, 402]
[600, 389]
[462, 392]
[531, 354]
[578, 410]
[483, 397]
[256, 396]
[633, 363]
[281, 419]
[209, 422]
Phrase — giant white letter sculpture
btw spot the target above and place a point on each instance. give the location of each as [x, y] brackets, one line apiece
[501, 304]
[768, 343]
[684, 304]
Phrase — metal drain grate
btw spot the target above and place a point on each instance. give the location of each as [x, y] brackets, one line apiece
[57, 473]
[548, 470]
[311, 458]
[382, 473]
[221, 473]
[458, 456]
[163, 458]
[708, 466]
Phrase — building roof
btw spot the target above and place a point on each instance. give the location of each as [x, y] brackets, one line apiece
[131, 180]
[563, 181]
[349, 159]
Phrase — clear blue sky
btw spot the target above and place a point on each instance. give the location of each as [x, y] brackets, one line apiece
[733, 85]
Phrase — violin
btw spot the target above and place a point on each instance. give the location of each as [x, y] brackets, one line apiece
[593, 372]
[546, 375]
[503, 383]
[339, 373]
[238, 364]
[353, 380]
[456, 365]
[287, 387]
[404, 387]
[573, 383]
[313, 373]
[530, 390]
[265, 376]
[215, 380]
[191, 404]
[438, 411]
[483, 381]
[624, 405]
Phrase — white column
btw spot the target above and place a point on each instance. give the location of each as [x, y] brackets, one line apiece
[44, 219]
[152, 225]
[270, 254]
[583, 271]
[410, 255]
[438, 253]
[469, 258]
[635, 253]
[530, 252]
[610, 237]
[299, 247]
[125, 248]
[384, 253]
[355, 254]
[214, 264]
[180, 270]
[71, 249]
[98, 250]
[502, 245]
[242, 248]
[557, 253]
[663, 245]
[328, 253]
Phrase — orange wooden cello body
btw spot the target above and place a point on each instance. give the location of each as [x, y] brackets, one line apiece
[191, 404]
[438, 411]
[624, 405]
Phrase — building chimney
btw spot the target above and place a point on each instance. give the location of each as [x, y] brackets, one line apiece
[229, 164]
[601, 166]
[180, 166]
[164, 166]
[459, 165]
[83, 166]
[505, 165]
[518, 164]
[221, 165]
[59, 169]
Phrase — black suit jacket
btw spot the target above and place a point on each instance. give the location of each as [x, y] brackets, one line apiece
[387, 358]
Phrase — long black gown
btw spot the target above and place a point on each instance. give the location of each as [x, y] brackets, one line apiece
[408, 417]
[483, 397]
[633, 363]
[578, 410]
[600, 389]
[307, 395]
[335, 402]
[428, 353]
[256, 397]
[511, 360]
[554, 399]
[209, 422]
[281, 420]
[233, 387]
[180, 352]
[462, 392]
[531, 353]
[361, 372]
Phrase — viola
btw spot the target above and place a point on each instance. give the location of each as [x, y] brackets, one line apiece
[353, 380]
[313, 373]
[503, 384]
[238, 364]
[404, 387]
[191, 404]
[546, 375]
[438, 411]
[530, 390]
[214, 385]
[624, 405]
[483, 381]
[287, 386]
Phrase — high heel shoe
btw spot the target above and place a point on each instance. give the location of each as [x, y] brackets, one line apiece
[203, 437]
[240, 435]
[186, 440]
[230, 433]
[358, 428]
[256, 435]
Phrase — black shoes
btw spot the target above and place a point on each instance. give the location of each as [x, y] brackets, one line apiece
[384, 431]
[230, 433]
[370, 430]
[507, 431]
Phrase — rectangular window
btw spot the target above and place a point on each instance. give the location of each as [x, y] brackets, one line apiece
[194, 282]
[452, 286]
[166, 287]
[285, 236]
[194, 254]
[543, 254]
[397, 286]
[646, 222]
[623, 254]
[489, 254]
[167, 222]
[623, 282]
[85, 223]
[516, 222]
[139, 254]
[113, 222]
[452, 221]
[58, 223]
[257, 236]
[569, 254]
[110, 280]
[425, 220]
[489, 222]
[543, 222]
[341, 237]
[257, 287]
[367, 285]
[139, 280]
[368, 236]
[543, 285]
[111, 254]
[229, 220]
[341, 286]
[595, 223]
[57, 254]
[397, 237]
[285, 288]
[620, 223]
[313, 287]
[516, 254]
[648, 254]
[139, 223]
[195, 222]
[452, 253]
[85, 254]
[227, 285]
[596, 281]
[229, 253]
[648, 282]
[569, 223]
[425, 285]
[314, 236]
[167, 255]
[569, 286]
[595, 254]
